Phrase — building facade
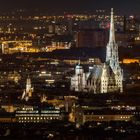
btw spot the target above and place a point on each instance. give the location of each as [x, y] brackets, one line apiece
[91, 38]
[102, 78]
[32, 114]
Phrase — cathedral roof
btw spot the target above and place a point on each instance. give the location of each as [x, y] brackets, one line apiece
[79, 67]
[95, 72]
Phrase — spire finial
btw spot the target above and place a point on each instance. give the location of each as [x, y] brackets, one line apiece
[112, 31]
[111, 10]
[79, 62]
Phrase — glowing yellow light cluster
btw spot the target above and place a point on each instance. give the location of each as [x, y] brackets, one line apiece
[128, 61]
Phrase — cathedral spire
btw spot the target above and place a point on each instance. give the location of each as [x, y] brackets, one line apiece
[112, 30]
[112, 47]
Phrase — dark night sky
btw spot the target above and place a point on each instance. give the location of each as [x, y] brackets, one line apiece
[121, 6]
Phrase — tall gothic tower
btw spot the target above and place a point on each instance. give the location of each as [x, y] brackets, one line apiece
[101, 78]
[112, 58]
[112, 48]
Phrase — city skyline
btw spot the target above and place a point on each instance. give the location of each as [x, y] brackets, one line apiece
[121, 6]
[70, 69]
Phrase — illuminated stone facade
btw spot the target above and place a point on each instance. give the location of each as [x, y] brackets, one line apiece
[28, 91]
[34, 115]
[104, 78]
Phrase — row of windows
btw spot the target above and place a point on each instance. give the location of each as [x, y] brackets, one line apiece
[136, 113]
[104, 84]
[26, 115]
[104, 87]
[29, 121]
[27, 111]
[37, 118]
[104, 81]
[104, 117]
[50, 111]
[125, 117]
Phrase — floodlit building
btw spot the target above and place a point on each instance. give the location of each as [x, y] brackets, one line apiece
[28, 91]
[28, 114]
[103, 115]
[102, 78]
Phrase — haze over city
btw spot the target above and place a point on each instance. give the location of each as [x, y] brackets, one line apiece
[121, 6]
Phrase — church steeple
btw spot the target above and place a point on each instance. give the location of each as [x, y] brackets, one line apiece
[112, 30]
[112, 58]
[112, 48]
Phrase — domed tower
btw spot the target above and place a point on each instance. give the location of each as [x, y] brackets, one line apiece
[78, 80]
[79, 69]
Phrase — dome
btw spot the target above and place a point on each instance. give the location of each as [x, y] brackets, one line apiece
[79, 66]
